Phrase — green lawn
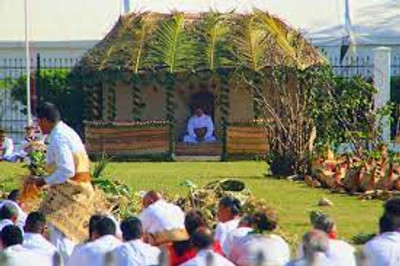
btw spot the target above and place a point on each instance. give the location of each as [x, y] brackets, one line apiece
[293, 201]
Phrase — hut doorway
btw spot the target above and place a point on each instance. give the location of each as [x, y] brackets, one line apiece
[205, 100]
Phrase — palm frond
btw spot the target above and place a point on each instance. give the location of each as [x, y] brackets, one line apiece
[172, 47]
[250, 43]
[281, 34]
[211, 35]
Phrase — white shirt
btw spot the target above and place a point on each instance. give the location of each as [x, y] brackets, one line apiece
[202, 256]
[222, 231]
[383, 250]
[17, 255]
[39, 244]
[339, 253]
[320, 259]
[21, 214]
[94, 252]
[4, 223]
[137, 253]
[8, 147]
[233, 236]
[64, 142]
[200, 122]
[162, 216]
[274, 249]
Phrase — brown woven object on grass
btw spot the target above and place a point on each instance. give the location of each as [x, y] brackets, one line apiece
[70, 205]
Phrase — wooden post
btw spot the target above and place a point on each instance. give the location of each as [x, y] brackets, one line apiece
[170, 108]
[224, 109]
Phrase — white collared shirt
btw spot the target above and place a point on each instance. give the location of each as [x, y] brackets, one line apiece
[64, 142]
[222, 231]
[273, 248]
[233, 236]
[383, 250]
[37, 243]
[200, 122]
[202, 257]
[137, 253]
[17, 255]
[94, 253]
[162, 216]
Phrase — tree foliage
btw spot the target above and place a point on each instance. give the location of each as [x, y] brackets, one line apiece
[55, 88]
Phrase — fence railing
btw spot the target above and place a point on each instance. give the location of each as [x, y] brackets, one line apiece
[12, 73]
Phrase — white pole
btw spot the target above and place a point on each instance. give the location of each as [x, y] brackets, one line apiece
[28, 65]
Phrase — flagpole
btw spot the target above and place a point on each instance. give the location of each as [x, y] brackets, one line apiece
[28, 65]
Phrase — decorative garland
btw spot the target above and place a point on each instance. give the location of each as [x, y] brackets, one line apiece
[224, 109]
[111, 101]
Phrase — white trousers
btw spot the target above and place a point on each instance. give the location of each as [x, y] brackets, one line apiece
[190, 139]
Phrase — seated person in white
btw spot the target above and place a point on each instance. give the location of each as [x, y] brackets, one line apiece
[34, 239]
[8, 215]
[12, 199]
[202, 241]
[228, 217]
[200, 128]
[339, 251]
[163, 222]
[244, 228]
[261, 243]
[14, 254]
[95, 252]
[315, 246]
[29, 140]
[384, 249]
[134, 252]
[6, 147]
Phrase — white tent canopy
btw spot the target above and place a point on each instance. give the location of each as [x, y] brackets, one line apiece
[374, 22]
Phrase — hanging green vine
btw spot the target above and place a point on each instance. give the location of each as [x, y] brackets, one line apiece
[224, 109]
[137, 99]
[111, 102]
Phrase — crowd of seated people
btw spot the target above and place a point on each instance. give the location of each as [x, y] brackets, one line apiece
[9, 153]
[163, 234]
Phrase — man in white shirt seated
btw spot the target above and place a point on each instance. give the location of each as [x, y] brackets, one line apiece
[14, 254]
[200, 128]
[163, 222]
[35, 228]
[8, 215]
[6, 147]
[228, 217]
[315, 246]
[244, 228]
[28, 142]
[134, 252]
[384, 249]
[12, 199]
[261, 243]
[95, 252]
[339, 251]
[202, 240]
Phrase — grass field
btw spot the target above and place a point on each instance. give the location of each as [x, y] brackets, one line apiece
[293, 201]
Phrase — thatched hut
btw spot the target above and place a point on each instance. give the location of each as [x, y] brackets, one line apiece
[144, 77]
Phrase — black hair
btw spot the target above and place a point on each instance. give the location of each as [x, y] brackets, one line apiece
[202, 238]
[232, 203]
[92, 222]
[247, 220]
[105, 226]
[131, 228]
[193, 220]
[392, 206]
[265, 220]
[14, 194]
[49, 111]
[35, 223]
[324, 223]
[385, 224]
[11, 235]
[8, 211]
